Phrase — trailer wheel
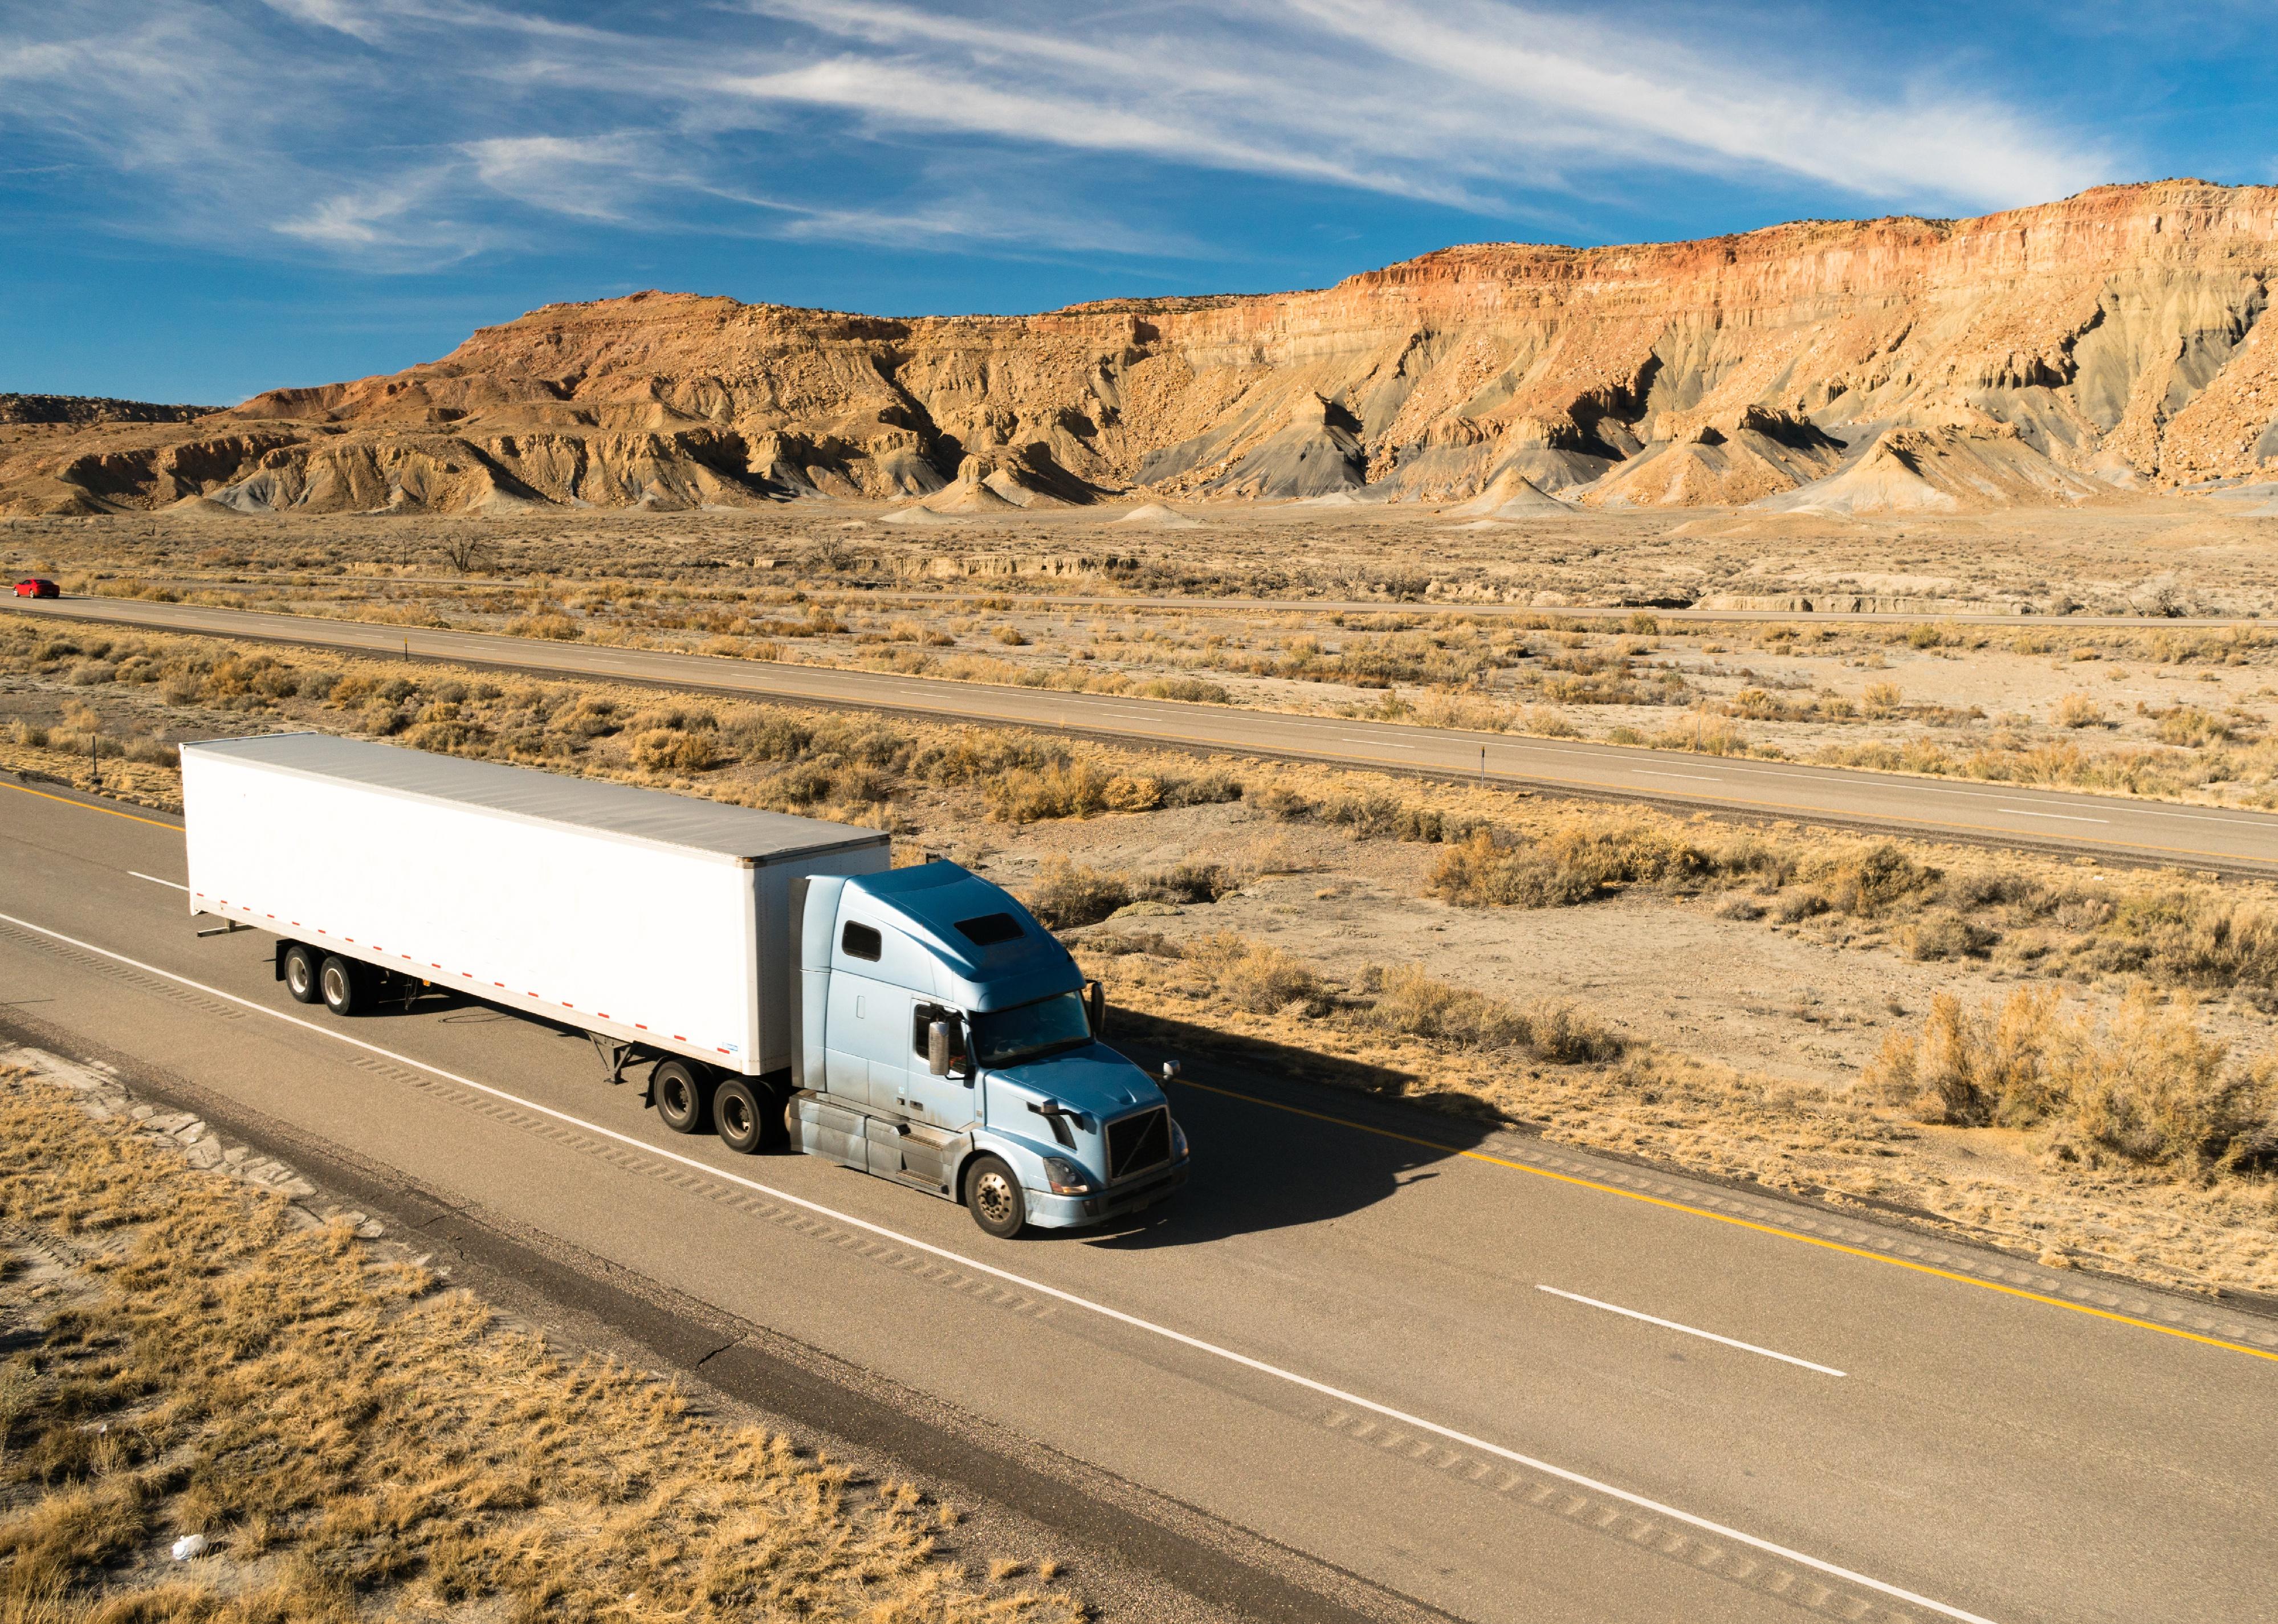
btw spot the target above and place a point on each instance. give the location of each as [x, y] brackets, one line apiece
[301, 974]
[341, 985]
[683, 1095]
[739, 1114]
[992, 1195]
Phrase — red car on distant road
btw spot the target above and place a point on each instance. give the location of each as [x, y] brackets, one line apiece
[36, 588]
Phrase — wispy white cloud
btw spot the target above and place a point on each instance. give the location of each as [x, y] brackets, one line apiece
[402, 132]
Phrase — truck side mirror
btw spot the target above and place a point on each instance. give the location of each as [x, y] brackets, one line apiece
[937, 1048]
[1095, 1007]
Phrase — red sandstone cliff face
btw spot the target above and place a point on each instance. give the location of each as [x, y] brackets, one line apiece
[2050, 353]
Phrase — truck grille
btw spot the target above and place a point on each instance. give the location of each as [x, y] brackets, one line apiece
[1138, 1142]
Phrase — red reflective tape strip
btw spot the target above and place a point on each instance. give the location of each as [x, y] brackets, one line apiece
[720, 1051]
[639, 1027]
[680, 1037]
[601, 1014]
[567, 1005]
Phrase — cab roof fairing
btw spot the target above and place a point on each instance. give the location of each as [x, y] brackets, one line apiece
[926, 902]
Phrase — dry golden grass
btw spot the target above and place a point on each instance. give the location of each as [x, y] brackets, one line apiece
[357, 1443]
[2145, 1088]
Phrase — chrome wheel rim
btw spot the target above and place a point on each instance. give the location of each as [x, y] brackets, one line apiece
[675, 1097]
[992, 1192]
[336, 987]
[734, 1120]
[296, 976]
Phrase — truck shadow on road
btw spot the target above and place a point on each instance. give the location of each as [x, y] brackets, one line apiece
[1261, 1165]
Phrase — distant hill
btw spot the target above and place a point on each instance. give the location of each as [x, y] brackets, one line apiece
[2057, 354]
[84, 408]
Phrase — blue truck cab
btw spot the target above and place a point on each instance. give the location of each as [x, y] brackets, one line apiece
[944, 1039]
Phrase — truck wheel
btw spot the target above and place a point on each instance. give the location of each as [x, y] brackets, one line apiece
[301, 974]
[740, 1116]
[341, 985]
[683, 1095]
[992, 1195]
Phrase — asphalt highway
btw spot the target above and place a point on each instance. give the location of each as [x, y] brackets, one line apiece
[1509, 1381]
[2117, 828]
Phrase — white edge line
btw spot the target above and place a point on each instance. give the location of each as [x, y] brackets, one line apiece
[1706, 1336]
[1117, 1315]
[2019, 811]
[154, 880]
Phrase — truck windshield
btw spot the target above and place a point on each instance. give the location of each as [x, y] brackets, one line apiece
[1029, 1031]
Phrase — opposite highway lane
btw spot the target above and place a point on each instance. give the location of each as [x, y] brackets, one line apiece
[1339, 1336]
[2129, 830]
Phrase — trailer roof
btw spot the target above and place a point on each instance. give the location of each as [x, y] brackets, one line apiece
[651, 816]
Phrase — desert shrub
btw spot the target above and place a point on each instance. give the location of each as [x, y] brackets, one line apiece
[1280, 801]
[556, 625]
[1484, 871]
[1704, 735]
[2184, 724]
[1132, 792]
[586, 718]
[2079, 711]
[769, 737]
[800, 784]
[383, 718]
[1059, 790]
[1881, 699]
[1211, 789]
[1867, 880]
[669, 749]
[2144, 1087]
[1194, 691]
[862, 786]
[1186, 883]
[1010, 637]
[1065, 896]
[1793, 907]
[1409, 1002]
[1946, 936]
[1116, 943]
[1259, 977]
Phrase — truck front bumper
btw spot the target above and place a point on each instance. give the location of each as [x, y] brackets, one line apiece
[1060, 1212]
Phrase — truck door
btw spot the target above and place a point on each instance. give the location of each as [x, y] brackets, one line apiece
[945, 1103]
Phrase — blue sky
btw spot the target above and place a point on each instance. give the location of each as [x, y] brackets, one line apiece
[200, 198]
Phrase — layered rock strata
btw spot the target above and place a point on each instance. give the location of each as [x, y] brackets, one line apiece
[2058, 354]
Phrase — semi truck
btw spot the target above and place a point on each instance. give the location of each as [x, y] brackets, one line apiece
[772, 978]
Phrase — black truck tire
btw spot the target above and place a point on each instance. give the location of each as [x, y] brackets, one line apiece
[683, 1095]
[739, 1114]
[299, 964]
[341, 981]
[993, 1196]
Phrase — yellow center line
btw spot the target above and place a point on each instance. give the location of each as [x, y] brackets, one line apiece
[84, 806]
[1746, 1223]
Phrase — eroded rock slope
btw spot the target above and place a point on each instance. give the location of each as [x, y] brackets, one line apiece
[2050, 354]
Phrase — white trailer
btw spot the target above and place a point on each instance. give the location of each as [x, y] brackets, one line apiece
[659, 924]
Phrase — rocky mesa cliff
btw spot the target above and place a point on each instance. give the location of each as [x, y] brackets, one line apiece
[2059, 353]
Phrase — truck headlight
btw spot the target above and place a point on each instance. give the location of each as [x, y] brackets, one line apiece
[1066, 1178]
[1178, 1142]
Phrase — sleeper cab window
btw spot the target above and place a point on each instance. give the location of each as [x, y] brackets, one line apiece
[861, 941]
